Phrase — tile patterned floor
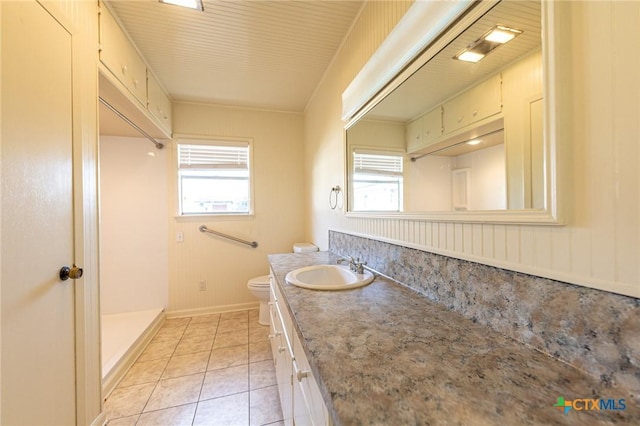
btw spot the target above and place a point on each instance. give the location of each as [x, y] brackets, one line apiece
[205, 370]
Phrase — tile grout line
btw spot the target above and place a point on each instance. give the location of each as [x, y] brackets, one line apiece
[163, 370]
[206, 369]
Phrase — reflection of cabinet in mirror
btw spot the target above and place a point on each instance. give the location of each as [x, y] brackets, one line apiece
[432, 131]
[476, 104]
[506, 176]
[424, 130]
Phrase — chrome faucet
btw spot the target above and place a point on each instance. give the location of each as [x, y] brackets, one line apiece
[354, 264]
[348, 260]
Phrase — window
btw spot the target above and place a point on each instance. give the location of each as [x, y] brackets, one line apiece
[214, 177]
[377, 181]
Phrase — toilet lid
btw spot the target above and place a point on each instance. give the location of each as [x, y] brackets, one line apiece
[262, 281]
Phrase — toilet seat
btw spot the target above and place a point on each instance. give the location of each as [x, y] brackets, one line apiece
[258, 282]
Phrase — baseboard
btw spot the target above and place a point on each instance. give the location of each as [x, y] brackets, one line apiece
[212, 310]
[101, 420]
[118, 371]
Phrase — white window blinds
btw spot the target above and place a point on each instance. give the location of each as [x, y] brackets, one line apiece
[202, 157]
[214, 177]
[381, 164]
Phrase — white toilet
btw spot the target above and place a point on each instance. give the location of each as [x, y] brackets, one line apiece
[259, 286]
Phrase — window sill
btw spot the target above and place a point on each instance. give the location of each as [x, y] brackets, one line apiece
[213, 217]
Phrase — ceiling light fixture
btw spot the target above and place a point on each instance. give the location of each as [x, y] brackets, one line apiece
[474, 142]
[496, 36]
[191, 4]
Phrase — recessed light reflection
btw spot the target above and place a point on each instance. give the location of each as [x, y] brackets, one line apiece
[474, 142]
[495, 37]
[502, 34]
[191, 4]
[469, 56]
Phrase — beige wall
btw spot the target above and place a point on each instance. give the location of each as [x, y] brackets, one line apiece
[277, 223]
[600, 245]
[134, 223]
[324, 153]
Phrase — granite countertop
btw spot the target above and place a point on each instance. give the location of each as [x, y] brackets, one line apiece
[382, 354]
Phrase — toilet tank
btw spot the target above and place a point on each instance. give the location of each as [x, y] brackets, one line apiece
[304, 248]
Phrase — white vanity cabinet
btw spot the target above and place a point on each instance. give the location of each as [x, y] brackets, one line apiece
[300, 397]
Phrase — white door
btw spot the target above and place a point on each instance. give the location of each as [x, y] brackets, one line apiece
[38, 354]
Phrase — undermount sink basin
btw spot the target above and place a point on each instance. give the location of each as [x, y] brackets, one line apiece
[328, 277]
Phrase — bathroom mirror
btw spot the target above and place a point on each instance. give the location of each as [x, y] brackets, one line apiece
[460, 140]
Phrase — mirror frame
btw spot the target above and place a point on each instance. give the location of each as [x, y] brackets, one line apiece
[554, 34]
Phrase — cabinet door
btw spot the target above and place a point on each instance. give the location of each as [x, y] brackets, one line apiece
[121, 58]
[301, 412]
[308, 403]
[284, 314]
[413, 135]
[282, 358]
[478, 103]
[275, 328]
[431, 126]
[284, 370]
[159, 103]
[111, 43]
[454, 114]
[485, 99]
[136, 78]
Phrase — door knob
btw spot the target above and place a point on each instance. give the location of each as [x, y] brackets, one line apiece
[74, 272]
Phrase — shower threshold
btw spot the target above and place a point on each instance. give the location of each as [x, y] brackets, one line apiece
[124, 337]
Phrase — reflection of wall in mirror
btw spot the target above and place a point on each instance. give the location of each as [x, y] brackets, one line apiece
[377, 134]
[488, 190]
[429, 184]
[521, 88]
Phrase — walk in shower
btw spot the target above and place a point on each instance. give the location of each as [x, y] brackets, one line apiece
[133, 249]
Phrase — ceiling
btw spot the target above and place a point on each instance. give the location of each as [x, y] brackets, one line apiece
[265, 54]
